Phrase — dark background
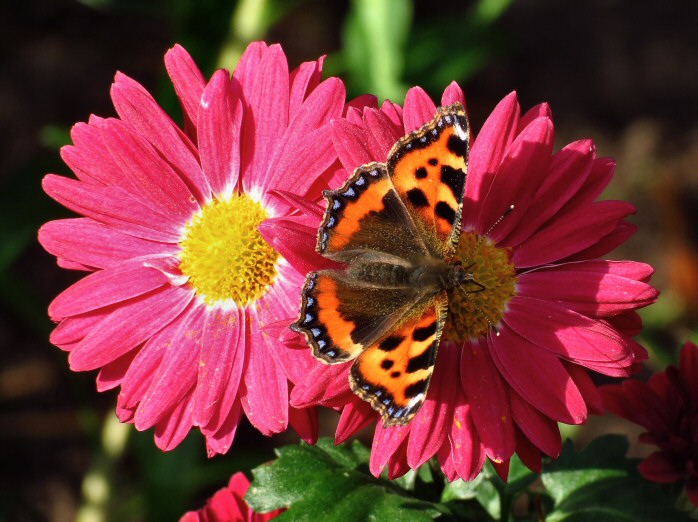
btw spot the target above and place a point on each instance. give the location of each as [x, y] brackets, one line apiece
[623, 72]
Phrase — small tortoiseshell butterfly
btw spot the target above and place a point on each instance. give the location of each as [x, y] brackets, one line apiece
[396, 226]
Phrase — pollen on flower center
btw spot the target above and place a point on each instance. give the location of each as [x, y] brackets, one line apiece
[225, 256]
[474, 309]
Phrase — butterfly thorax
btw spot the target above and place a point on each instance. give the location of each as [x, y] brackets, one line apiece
[428, 275]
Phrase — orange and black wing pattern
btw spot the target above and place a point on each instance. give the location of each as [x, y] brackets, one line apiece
[428, 169]
[393, 374]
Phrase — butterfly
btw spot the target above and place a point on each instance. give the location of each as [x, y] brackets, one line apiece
[395, 227]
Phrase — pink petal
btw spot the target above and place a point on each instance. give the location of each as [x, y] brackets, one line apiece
[522, 171]
[304, 422]
[568, 171]
[432, 424]
[593, 288]
[529, 454]
[586, 387]
[220, 435]
[466, 449]
[265, 395]
[393, 113]
[245, 72]
[74, 329]
[220, 364]
[542, 110]
[265, 118]
[600, 176]
[127, 327]
[637, 402]
[89, 158]
[219, 126]
[486, 155]
[138, 108]
[419, 109]
[571, 233]
[489, 404]
[381, 133]
[356, 105]
[311, 212]
[568, 334]
[295, 242]
[356, 415]
[172, 430]
[688, 364]
[111, 375]
[104, 287]
[539, 377]
[386, 441]
[539, 429]
[175, 376]
[188, 82]
[93, 244]
[322, 384]
[453, 94]
[605, 244]
[304, 79]
[151, 179]
[112, 206]
[350, 144]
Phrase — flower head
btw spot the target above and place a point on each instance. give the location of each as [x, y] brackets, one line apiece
[228, 505]
[181, 283]
[667, 406]
[513, 357]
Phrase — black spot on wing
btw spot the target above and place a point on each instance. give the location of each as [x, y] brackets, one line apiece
[423, 361]
[444, 211]
[395, 375]
[386, 364]
[453, 179]
[433, 162]
[422, 334]
[390, 343]
[417, 197]
[421, 173]
[457, 146]
[416, 388]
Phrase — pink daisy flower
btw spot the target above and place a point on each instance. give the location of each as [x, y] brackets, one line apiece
[513, 358]
[228, 505]
[181, 284]
[667, 406]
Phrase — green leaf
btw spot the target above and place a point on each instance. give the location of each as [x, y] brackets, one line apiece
[328, 482]
[599, 484]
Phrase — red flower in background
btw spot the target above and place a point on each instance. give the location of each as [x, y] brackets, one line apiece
[557, 310]
[667, 406]
[228, 505]
[180, 282]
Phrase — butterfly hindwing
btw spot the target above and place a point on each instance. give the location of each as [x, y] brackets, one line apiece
[364, 215]
[428, 169]
[341, 316]
[393, 374]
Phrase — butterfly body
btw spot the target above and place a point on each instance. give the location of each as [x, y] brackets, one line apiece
[395, 226]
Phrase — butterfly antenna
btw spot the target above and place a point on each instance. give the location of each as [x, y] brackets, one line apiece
[486, 235]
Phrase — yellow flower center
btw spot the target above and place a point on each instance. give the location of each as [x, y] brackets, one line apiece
[474, 309]
[225, 256]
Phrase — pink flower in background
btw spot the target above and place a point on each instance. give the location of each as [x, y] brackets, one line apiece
[667, 406]
[228, 505]
[180, 283]
[513, 358]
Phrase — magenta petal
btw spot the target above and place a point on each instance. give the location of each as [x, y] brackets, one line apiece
[111, 375]
[172, 430]
[128, 326]
[382, 133]
[586, 387]
[248, 66]
[386, 441]
[522, 170]
[90, 158]
[176, 374]
[659, 467]
[356, 415]
[304, 421]
[112, 206]
[688, 364]
[539, 377]
[295, 242]
[605, 244]
[323, 383]
[486, 155]
[188, 82]
[542, 110]
[569, 334]
[93, 244]
[637, 402]
[220, 364]
[567, 172]
[487, 395]
[137, 107]
[74, 329]
[265, 397]
[539, 429]
[265, 118]
[350, 144]
[219, 438]
[104, 287]
[453, 94]
[571, 233]
[219, 125]
[593, 288]
[304, 79]
[419, 109]
[600, 176]
[432, 424]
[467, 450]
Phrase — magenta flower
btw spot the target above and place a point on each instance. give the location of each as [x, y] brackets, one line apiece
[181, 284]
[667, 406]
[228, 505]
[513, 358]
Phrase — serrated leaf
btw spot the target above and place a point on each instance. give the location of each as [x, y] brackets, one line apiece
[330, 483]
[599, 484]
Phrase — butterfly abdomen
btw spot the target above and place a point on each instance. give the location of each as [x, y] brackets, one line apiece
[430, 276]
